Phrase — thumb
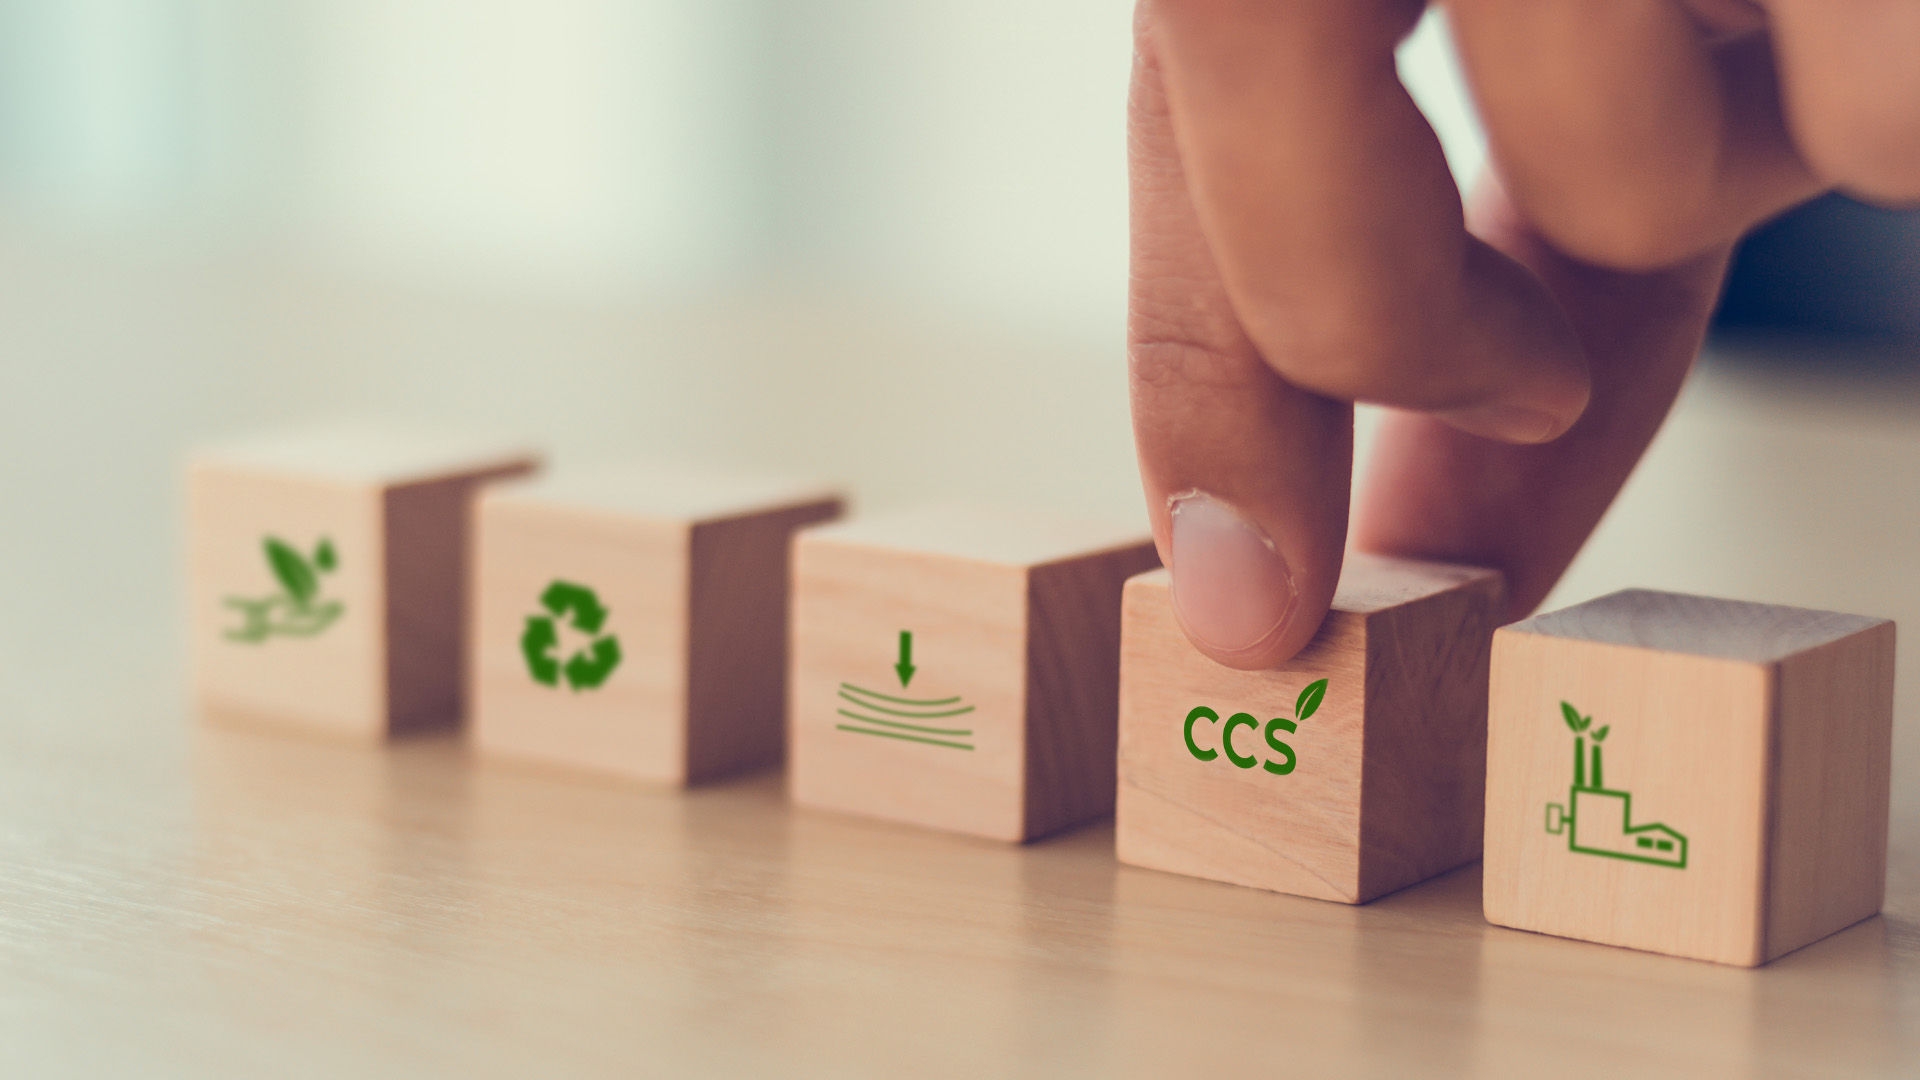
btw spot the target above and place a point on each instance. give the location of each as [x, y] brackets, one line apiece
[1247, 477]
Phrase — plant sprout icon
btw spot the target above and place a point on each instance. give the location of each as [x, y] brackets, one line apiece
[1579, 725]
[589, 665]
[294, 612]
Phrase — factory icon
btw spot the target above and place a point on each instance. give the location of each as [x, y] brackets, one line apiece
[1599, 820]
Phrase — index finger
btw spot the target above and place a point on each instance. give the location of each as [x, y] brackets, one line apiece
[1338, 230]
[1432, 492]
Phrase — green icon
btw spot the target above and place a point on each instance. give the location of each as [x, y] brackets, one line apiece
[905, 668]
[295, 611]
[590, 664]
[1602, 819]
[888, 715]
[1304, 706]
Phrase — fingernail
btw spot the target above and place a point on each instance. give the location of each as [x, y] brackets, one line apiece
[1509, 423]
[1231, 589]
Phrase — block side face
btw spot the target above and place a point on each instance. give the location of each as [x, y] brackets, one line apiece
[1423, 785]
[426, 552]
[632, 721]
[737, 639]
[1294, 831]
[1827, 855]
[1656, 844]
[260, 652]
[1073, 686]
[944, 748]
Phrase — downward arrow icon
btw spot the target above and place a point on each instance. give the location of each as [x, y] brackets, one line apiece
[905, 667]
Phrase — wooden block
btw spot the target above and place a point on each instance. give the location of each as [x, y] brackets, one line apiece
[1714, 785]
[956, 668]
[327, 575]
[633, 620]
[1240, 776]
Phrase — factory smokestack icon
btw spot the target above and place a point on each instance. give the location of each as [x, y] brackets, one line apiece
[1599, 820]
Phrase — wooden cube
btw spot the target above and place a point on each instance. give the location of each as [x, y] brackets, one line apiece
[633, 620]
[956, 668]
[1698, 777]
[1350, 771]
[327, 575]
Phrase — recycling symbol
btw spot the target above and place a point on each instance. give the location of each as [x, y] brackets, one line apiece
[590, 664]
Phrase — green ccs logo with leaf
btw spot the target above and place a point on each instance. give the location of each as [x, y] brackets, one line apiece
[297, 610]
[1281, 758]
[580, 616]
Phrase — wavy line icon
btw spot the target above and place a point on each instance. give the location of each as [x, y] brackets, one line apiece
[888, 717]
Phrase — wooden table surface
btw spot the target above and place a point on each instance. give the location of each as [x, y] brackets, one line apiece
[184, 900]
[192, 901]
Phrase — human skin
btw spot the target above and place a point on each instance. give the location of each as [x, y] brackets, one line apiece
[1298, 245]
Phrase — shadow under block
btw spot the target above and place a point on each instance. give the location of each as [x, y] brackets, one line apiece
[1003, 724]
[327, 576]
[1378, 787]
[634, 621]
[1715, 788]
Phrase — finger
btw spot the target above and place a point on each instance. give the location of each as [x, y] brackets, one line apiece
[1627, 131]
[1852, 74]
[1434, 492]
[1337, 229]
[1247, 478]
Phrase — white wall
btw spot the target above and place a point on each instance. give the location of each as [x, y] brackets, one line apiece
[569, 141]
[965, 157]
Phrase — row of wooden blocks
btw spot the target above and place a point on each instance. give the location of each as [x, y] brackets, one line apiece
[1700, 777]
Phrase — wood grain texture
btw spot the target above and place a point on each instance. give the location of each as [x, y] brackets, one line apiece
[691, 567]
[1423, 781]
[335, 681]
[1385, 789]
[184, 900]
[1698, 625]
[1022, 632]
[314, 909]
[392, 506]
[1073, 685]
[739, 603]
[1831, 773]
[426, 524]
[1767, 764]
[969, 624]
[1687, 740]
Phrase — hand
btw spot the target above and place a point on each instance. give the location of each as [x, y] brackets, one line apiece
[1298, 245]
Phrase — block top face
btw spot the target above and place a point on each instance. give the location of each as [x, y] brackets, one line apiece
[1376, 583]
[662, 491]
[1370, 584]
[366, 454]
[1000, 536]
[1697, 625]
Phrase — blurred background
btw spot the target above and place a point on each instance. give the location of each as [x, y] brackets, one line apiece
[882, 243]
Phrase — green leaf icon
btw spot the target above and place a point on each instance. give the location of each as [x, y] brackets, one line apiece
[1572, 717]
[323, 555]
[1309, 700]
[1601, 735]
[292, 570]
